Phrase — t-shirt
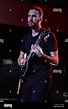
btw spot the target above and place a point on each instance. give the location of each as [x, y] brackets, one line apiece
[36, 63]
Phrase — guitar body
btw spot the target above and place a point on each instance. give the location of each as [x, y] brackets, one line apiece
[22, 76]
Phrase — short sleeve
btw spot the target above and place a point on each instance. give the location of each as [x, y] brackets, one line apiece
[52, 42]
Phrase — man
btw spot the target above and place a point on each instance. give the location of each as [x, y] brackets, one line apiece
[45, 54]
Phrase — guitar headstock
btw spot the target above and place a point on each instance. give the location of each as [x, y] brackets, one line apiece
[46, 33]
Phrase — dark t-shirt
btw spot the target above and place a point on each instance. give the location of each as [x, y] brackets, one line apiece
[36, 63]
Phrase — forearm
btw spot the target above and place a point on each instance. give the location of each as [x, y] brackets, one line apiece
[20, 58]
[51, 59]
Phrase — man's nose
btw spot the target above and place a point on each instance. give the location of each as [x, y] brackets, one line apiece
[31, 17]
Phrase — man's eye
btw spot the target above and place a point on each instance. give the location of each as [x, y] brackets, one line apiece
[34, 15]
[28, 15]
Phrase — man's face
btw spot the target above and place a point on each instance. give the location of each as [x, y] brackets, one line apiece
[33, 18]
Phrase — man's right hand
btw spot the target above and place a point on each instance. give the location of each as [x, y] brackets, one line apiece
[22, 62]
[21, 59]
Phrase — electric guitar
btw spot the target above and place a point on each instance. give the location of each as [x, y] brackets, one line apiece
[24, 68]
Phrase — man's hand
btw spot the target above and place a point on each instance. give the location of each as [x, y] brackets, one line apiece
[37, 50]
[22, 62]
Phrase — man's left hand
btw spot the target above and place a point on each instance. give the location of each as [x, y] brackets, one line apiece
[37, 50]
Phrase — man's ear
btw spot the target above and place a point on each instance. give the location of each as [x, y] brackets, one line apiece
[41, 18]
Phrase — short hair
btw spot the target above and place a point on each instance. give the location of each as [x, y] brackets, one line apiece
[38, 9]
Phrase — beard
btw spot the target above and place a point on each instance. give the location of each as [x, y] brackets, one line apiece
[32, 24]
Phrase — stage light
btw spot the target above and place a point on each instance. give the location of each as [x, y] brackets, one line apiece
[45, 20]
[33, 91]
[45, 0]
[10, 9]
[21, 20]
[10, 71]
[9, 30]
[45, 81]
[57, 91]
[9, 50]
[57, 30]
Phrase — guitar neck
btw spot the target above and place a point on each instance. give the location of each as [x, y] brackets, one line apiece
[28, 57]
[31, 53]
[46, 33]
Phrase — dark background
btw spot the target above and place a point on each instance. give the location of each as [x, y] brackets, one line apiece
[13, 26]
